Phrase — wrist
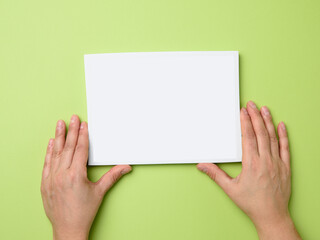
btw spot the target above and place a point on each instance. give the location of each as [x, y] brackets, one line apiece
[67, 234]
[278, 227]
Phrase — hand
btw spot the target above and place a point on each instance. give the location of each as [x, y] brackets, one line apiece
[70, 200]
[262, 189]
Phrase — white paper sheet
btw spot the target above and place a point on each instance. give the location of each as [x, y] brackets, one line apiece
[163, 107]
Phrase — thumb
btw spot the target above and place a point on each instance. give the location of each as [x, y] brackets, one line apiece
[112, 176]
[217, 175]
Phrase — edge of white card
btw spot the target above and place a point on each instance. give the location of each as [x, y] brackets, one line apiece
[235, 54]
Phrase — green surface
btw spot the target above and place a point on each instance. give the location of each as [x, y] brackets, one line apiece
[42, 44]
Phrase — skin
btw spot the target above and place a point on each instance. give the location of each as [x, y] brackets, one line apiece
[70, 200]
[262, 189]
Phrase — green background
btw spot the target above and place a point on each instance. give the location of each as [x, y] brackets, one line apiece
[42, 44]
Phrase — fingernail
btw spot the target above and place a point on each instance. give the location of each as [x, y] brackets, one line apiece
[59, 124]
[203, 169]
[245, 110]
[283, 126]
[265, 111]
[252, 105]
[82, 125]
[50, 142]
[73, 119]
[125, 171]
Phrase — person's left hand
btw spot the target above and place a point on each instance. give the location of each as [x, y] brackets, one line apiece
[70, 200]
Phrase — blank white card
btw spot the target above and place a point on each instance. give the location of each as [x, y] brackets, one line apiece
[163, 107]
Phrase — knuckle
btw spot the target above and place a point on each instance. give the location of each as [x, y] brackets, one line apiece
[114, 178]
[60, 133]
[261, 176]
[262, 133]
[58, 180]
[284, 147]
[49, 149]
[72, 176]
[213, 175]
[79, 148]
[251, 144]
[274, 139]
[57, 153]
[250, 135]
[68, 147]
[268, 118]
[75, 177]
[256, 116]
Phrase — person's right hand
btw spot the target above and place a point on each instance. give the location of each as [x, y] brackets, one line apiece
[262, 189]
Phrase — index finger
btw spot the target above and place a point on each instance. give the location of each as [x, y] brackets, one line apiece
[249, 141]
[80, 156]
